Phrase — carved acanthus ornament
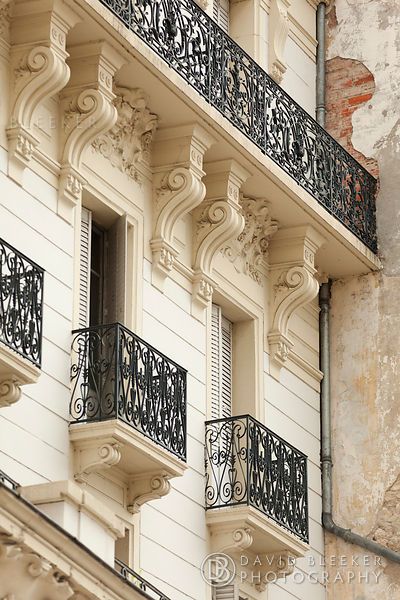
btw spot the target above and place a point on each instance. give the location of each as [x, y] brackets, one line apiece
[24, 574]
[149, 487]
[249, 251]
[294, 280]
[88, 112]
[40, 71]
[278, 33]
[127, 144]
[178, 189]
[216, 222]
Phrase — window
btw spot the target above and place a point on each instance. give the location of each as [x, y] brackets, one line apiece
[123, 550]
[221, 364]
[221, 14]
[102, 271]
[235, 361]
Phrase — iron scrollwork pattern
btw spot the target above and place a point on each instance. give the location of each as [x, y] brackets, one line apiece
[211, 62]
[138, 581]
[21, 303]
[247, 464]
[117, 375]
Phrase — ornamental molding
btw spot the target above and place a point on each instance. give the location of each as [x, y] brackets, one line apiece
[249, 252]
[5, 18]
[39, 71]
[216, 222]
[278, 34]
[149, 487]
[294, 284]
[178, 190]
[89, 111]
[94, 458]
[24, 574]
[128, 143]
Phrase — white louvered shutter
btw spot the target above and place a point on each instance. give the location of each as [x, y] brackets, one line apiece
[226, 592]
[221, 365]
[116, 272]
[84, 267]
[221, 14]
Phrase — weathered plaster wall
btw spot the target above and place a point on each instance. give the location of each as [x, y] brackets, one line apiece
[363, 83]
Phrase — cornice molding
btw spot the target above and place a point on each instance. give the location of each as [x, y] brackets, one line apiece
[89, 111]
[294, 284]
[249, 251]
[39, 71]
[217, 221]
[178, 189]
[127, 145]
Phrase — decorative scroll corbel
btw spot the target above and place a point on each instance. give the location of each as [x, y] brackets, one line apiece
[88, 112]
[10, 391]
[295, 284]
[146, 488]
[178, 165]
[216, 221]
[278, 33]
[95, 458]
[39, 72]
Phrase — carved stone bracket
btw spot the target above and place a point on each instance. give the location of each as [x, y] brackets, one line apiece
[95, 458]
[39, 68]
[294, 284]
[256, 570]
[178, 189]
[216, 222]
[278, 33]
[127, 145]
[151, 486]
[24, 574]
[10, 391]
[249, 251]
[88, 112]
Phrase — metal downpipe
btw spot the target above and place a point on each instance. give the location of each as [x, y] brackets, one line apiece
[320, 77]
[326, 442]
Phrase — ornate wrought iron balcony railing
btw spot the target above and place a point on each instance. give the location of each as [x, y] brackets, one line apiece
[229, 79]
[138, 582]
[21, 303]
[248, 464]
[117, 375]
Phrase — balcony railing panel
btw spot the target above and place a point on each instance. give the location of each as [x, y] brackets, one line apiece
[117, 375]
[229, 79]
[138, 581]
[247, 464]
[21, 303]
[8, 482]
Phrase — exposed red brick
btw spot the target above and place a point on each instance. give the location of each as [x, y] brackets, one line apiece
[349, 85]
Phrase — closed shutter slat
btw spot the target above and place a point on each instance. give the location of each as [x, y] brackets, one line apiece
[221, 365]
[84, 267]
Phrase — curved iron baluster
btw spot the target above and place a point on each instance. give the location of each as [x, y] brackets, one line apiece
[246, 463]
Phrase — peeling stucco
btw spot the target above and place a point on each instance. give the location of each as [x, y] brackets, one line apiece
[364, 36]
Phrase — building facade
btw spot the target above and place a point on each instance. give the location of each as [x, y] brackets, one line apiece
[169, 208]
